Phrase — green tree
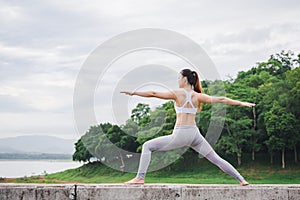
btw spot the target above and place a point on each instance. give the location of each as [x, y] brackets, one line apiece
[281, 127]
[293, 87]
[284, 90]
[279, 63]
[81, 153]
[252, 80]
[141, 114]
[238, 123]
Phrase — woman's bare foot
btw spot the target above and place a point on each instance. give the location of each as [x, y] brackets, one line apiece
[244, 183]
[135, 181]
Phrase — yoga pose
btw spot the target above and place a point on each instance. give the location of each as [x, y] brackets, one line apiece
[187, 102]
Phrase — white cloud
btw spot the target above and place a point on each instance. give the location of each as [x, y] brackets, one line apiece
[9, 14]
[40, 92]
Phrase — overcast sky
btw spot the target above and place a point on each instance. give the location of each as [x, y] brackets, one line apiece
[43, 45]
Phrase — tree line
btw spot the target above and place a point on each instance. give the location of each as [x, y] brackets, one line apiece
[271, 126]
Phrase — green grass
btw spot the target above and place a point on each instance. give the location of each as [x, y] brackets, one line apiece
[202, 174]
[199, 171]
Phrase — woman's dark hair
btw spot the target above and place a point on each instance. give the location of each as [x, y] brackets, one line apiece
[193, 79]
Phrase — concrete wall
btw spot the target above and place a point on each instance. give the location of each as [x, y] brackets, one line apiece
[147, 191]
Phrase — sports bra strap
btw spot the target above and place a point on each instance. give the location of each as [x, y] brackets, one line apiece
[183, 109]
[188, 95]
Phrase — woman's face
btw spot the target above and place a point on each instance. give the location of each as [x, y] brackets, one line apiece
[181, 80]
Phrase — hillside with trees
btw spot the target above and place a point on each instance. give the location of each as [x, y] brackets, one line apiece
[271, 127]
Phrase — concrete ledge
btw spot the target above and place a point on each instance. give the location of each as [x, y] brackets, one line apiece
[10, 191]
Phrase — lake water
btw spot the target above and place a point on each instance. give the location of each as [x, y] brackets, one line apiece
[21, 168]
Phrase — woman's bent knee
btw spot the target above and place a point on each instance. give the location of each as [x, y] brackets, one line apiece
[148, 146]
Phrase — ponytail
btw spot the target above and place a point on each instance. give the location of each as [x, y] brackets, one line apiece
[196, 83]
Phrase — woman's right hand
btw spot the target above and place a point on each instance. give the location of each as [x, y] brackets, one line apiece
[126, 92]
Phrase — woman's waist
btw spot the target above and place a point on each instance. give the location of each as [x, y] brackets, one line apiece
[185, 126]
[186, 122]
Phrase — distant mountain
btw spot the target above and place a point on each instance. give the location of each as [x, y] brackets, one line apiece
[6, 149]
[37, 144]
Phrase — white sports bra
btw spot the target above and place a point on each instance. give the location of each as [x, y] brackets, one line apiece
[183, 109]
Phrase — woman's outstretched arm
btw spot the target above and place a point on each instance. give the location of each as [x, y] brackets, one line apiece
[211, 100]
[160, 95]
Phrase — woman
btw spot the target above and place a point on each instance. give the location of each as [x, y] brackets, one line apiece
[186, 133]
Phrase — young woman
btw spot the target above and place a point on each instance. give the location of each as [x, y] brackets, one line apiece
[186, 133]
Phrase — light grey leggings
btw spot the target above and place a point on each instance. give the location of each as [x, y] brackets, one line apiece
[184, 136]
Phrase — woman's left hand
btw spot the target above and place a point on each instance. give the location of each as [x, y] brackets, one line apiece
[247, 104]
